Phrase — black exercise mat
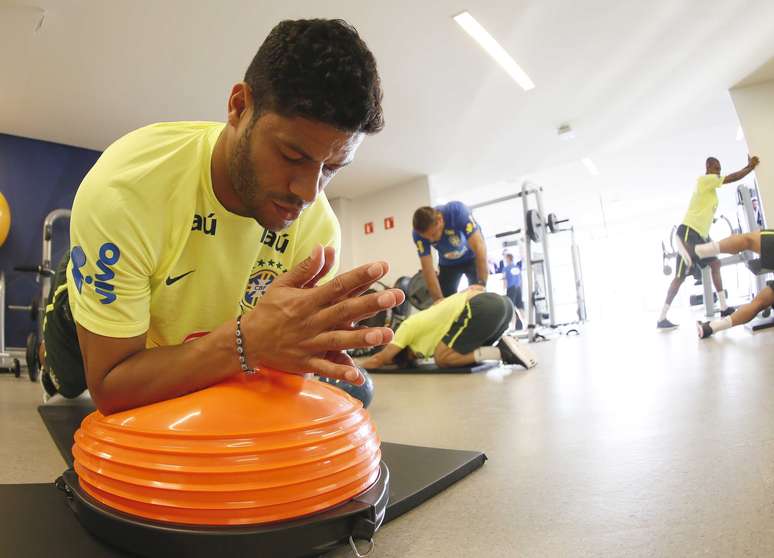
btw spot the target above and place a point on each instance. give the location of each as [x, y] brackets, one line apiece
[416, 474]
[62, 421]
[433, 369]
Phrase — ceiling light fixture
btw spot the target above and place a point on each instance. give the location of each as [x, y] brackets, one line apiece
[494, 49]
[565, 132]
[590, 166]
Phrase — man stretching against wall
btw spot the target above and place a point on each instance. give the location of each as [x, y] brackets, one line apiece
[760, 242]
[695, 230]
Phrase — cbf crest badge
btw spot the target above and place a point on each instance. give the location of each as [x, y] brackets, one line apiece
[262, 276]
[453, 238]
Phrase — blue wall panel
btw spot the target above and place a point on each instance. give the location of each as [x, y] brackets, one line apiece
[35, 177]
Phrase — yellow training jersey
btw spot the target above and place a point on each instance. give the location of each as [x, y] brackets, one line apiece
[704, 202]
[424, 330]
[153, 250]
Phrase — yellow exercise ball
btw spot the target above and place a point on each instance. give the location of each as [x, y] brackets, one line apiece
[5, 219]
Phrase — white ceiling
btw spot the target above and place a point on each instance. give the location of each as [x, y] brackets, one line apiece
[622, 72]
[764, 73]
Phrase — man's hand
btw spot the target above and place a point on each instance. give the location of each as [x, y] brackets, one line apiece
[478, 288]
[437, 300]
[299, 327]
[752, 162]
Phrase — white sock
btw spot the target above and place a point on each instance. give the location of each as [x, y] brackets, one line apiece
[707, 250]
[722, 300]
[721, 324]
[663, 314]
[487, 352]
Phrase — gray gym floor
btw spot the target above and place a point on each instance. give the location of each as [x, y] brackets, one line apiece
[622, 442]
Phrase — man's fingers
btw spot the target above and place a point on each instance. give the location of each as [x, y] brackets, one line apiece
[329, 255]
[355, 292]
[341, 285]
[358, 308]
[340, 357]
[342, 340]
[305, 271]
[325, 367]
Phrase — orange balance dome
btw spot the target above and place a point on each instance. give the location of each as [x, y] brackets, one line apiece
[251, 450]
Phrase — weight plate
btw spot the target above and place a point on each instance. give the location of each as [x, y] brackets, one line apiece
[534, 225]
[418, 293]
[31, 356]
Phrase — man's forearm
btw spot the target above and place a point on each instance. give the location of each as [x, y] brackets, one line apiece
[376, 361]
[433, 286]
[482, 269]
[161, 373]
[740, 174]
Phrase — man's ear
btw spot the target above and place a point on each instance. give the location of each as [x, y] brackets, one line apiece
[240, 104]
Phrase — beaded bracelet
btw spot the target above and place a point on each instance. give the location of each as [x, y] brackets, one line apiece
[241, 350]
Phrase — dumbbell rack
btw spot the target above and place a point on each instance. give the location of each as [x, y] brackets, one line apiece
[44, 273]
[7, 362]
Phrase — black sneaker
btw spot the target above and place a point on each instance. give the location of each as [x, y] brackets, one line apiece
[704, 330]
[513, 352]
[727, 312]
[666, 325]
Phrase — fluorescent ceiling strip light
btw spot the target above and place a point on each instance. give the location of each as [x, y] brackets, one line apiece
[493, 48]
[590, 166]
[739, 133]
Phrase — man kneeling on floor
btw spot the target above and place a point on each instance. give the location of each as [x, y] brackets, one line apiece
[760, 242]
[458, 331]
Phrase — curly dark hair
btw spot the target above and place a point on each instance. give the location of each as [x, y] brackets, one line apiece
[424, 217]
[405, 359]
[318, 69]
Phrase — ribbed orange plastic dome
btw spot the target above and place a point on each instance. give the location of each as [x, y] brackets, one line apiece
[253, 449]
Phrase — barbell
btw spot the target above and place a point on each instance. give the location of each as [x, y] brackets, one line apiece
[536, 227]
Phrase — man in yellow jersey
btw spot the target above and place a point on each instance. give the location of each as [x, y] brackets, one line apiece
[199, 250]
[760, 242]
[695, 230]
[457, 331]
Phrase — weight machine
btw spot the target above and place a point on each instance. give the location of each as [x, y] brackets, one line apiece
[744, 195]
[537, 262]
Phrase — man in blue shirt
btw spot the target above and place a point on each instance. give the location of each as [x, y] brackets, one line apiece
[454, 233]
[512, 278]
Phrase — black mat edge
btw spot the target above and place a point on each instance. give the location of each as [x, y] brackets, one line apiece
[408, 503]
[435, 370]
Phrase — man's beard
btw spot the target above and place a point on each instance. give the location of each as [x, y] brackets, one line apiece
[255, 199]
[240, 172]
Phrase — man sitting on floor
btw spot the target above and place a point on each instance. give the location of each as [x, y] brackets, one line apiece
[760, 242]
[457, 331]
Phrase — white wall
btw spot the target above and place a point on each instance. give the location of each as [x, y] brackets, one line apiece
[393, 245]
[755, 107]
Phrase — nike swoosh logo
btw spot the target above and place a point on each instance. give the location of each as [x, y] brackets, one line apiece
[171, 280]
